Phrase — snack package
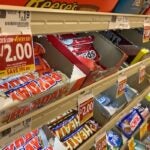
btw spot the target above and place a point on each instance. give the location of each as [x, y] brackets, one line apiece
[129, 123]
[41, 65]
[33, 140]
[86, 51]
[114, 140]
[81, 134]
[38, 49]
[66, 126]
[10, 83]
[78, 41]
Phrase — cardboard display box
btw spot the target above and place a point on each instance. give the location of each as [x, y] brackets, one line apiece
[103, 47]
[85, 5]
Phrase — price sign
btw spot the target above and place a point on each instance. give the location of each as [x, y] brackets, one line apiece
[119, 22]
[16, 54]
[142, 73]
[121, 84]
[143, 130]
[100, 142]
[146, 33]
[85, 107]
[131, 144]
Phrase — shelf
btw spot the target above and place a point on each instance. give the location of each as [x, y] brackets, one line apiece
[45, 21]
[89, 143]
[60, 106]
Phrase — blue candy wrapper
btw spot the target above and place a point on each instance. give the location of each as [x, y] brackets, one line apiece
[129, 124]
[114, 139]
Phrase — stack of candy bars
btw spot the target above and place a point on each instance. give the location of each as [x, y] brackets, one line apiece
[82, 47]
[70, 132]
[35, 140]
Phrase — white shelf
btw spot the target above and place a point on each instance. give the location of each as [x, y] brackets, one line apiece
[45, 21]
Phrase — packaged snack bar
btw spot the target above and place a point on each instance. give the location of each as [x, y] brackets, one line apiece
[129, 124]
[76, 138]
[86, 51]
[38, 49]
[41, 64]
[78, 41]
[114, 140]
[66, 126]
[10, 83]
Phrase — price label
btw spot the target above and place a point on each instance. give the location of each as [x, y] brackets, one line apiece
[119, 22]
[121, 84]
[85, 107]
[146, 33]
[100, 142]
[15, 22]
[16, 54]
[143, 130]
[131, 144]
[142, 73]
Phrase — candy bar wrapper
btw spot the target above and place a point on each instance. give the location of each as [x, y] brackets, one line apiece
[35, 140]
[41, 64]
[38, 49]
[87, 51]
[43, 83]
[60, 118]
[76, 138]
[78, 41]
[114, 140]
[66, 126]
[11, 83]
[130, 123]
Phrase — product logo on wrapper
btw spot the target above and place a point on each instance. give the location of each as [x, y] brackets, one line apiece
[16, 54]
[135, 121]
[51, 4]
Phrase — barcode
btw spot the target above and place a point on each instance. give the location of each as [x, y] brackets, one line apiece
[18, 24]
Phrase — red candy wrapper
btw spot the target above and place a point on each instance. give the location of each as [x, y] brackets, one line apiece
[78, 41]
[38, 49]
[86, 51]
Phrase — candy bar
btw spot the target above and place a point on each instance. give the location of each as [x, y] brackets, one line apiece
[80, 135]
[78, 40]
[10, 83]
[130, 123]
[38, 49]
[41, 64]
[67, 126]
[86, 51]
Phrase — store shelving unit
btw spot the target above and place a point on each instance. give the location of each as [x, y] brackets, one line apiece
[59, 21]
[45, 21]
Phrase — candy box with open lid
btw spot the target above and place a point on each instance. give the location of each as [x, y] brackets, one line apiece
[104, 48]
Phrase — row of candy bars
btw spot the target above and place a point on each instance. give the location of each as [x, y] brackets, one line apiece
[27, 86]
